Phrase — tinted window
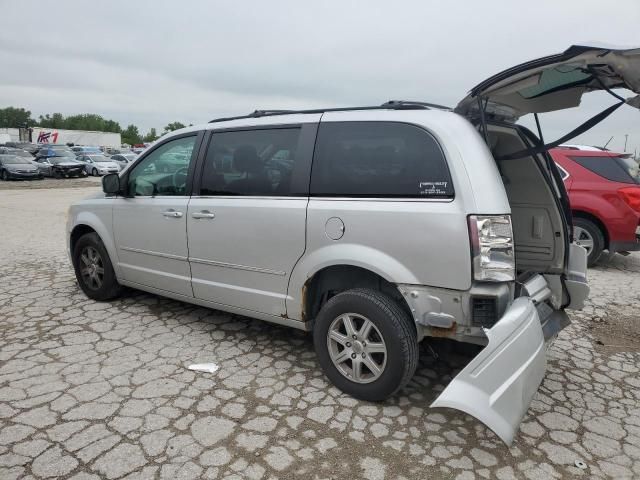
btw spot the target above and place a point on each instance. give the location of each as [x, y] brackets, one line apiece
[611, 168]
[250, 162]
[563, 173]
[378, 159]
[164, 171]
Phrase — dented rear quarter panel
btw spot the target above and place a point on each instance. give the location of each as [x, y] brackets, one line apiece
[406, 241]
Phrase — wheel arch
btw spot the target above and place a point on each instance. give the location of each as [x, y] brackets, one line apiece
[77, 232]
[599, 223]
[88, 222]
[331, 280]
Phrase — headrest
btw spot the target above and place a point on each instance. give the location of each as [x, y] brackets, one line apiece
[245, 159]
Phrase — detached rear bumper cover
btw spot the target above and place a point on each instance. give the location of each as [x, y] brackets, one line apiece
[497, 386]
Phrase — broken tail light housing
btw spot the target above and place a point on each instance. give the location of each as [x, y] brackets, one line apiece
[631, 196]
[492, 248]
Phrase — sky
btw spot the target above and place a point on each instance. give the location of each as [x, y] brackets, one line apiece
[154, 62]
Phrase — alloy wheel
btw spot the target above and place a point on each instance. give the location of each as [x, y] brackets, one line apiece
[583, 238]
[357, 348]
[91, 268]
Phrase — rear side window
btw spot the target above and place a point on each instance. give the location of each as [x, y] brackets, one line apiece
[615, 169]
[378, 159]
[250, 162]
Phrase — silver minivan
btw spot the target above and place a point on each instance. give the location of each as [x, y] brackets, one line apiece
[371, 227]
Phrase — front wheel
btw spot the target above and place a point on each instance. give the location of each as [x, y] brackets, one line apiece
[94, 172]
[366, 344]
[589, 236]
[93, 268]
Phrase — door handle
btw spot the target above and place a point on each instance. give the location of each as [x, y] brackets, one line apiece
[203, 214]
[172, 213]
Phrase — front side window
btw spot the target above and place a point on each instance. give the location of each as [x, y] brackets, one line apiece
[378, 159]
[164, 171]
[250, 162]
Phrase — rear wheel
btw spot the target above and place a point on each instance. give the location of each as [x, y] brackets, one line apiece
[589, 236]
[366, 344]
[93, 268]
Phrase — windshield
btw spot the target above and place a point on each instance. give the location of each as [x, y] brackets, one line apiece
[62, 159]
[64, 153]
[99, 158]
[12, 160]
[631, 167]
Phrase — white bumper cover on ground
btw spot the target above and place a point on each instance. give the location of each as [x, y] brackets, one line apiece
[497, 386]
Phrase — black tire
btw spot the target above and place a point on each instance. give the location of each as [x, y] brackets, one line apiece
[94, 172]
[109, 287]
[596, 234]
[396, 329]
[5, 175]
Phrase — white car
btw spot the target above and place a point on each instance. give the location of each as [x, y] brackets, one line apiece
[123, 159]
[98, 165]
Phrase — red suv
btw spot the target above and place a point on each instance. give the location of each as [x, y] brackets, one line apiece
[604, 190]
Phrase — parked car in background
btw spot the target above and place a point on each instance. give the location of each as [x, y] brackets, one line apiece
[116, 150]
[123, 159]
[60, 166]
[53, 150]
[604, 191]
[18, 168]
[98, 164]
[29, 147]
[84, 150]
[15, 151]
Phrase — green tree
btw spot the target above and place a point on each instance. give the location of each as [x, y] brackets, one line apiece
[12, 117]
[92, 122]
[131, 135]
[152, 136]
[173, 126]
[52, 121]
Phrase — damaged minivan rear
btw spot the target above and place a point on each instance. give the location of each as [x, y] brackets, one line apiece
[374, 228]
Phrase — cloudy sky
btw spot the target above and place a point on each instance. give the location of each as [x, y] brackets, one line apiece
[153, 62]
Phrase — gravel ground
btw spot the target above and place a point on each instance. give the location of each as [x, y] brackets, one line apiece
[50, 183]
[101, 390]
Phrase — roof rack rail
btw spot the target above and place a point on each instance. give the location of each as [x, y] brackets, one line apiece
[411, 104]
[391, 104]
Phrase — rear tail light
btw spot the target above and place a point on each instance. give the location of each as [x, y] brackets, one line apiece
[631, 196]
[492, 248]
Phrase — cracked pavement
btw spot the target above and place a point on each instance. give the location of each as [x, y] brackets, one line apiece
[102, 390]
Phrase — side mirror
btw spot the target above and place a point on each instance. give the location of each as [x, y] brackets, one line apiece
[111, 183]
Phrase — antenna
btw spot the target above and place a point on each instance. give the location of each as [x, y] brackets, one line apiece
[605, 145]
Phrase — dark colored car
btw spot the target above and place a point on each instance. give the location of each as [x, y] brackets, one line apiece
[59, 162]
[604, 190]
[53, 150]
[14, 167]
[29, 147]
[15, 151]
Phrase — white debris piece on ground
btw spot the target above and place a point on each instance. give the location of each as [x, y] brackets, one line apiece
[205, 367]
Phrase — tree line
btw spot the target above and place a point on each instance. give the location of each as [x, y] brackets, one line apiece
[12, 117]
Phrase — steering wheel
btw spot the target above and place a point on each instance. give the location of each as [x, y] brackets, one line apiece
[180, 178]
